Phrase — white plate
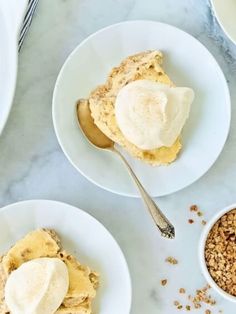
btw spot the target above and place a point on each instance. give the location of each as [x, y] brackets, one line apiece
[187, 62]
[11, 16]
[81, 235]
[225, 12]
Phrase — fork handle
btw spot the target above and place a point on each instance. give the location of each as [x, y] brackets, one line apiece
[166, 228]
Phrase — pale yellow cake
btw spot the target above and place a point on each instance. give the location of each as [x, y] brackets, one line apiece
[145, 65]
[45, 243]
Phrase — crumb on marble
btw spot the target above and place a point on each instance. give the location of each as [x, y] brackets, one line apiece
[163, 282]
[202, 296]
[193, 208]
[171, 260]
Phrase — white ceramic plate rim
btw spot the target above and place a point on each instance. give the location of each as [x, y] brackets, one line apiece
[227, 31]
[13, 12]
[122, 193]
[49, 203]
[13, 60]
[201, 252]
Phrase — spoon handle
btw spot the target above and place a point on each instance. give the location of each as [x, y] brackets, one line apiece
[163, 224]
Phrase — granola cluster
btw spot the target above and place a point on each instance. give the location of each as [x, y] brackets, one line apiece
[220, 252]
[195, 209]
[196, 301]
[202, 296]
[171, 260]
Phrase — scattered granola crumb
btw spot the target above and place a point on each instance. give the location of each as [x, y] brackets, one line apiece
[163, 282]
[197, 305]
[202, 296]
[198, 300]
[194, 208]
[220, 252]
[204, 222]
[171, 260]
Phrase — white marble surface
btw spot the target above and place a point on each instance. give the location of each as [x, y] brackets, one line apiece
[32, 164]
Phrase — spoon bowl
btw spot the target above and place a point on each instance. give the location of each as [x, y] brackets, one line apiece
[89, 128]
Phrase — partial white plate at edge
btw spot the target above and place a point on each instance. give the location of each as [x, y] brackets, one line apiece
[82, 235]
[225, 12]
[11, 17]
[187, 62]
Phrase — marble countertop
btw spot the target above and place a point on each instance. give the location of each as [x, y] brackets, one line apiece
[32, 165]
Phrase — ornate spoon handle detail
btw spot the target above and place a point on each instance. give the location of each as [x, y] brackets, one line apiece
[163, 224]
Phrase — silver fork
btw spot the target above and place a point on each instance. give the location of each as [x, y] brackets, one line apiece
[27, 21]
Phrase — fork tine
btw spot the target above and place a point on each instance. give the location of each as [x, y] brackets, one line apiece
[27, 21]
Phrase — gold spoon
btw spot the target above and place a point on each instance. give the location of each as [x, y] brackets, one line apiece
[100, 140]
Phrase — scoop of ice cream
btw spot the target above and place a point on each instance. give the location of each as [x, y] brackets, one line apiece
[150, 114]
[37, 287]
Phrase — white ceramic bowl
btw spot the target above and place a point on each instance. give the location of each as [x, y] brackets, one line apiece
[203, 239]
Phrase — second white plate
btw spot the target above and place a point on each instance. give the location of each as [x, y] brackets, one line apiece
[81, 235]
[187, 62]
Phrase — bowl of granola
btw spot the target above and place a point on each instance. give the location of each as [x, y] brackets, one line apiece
[217, 252]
